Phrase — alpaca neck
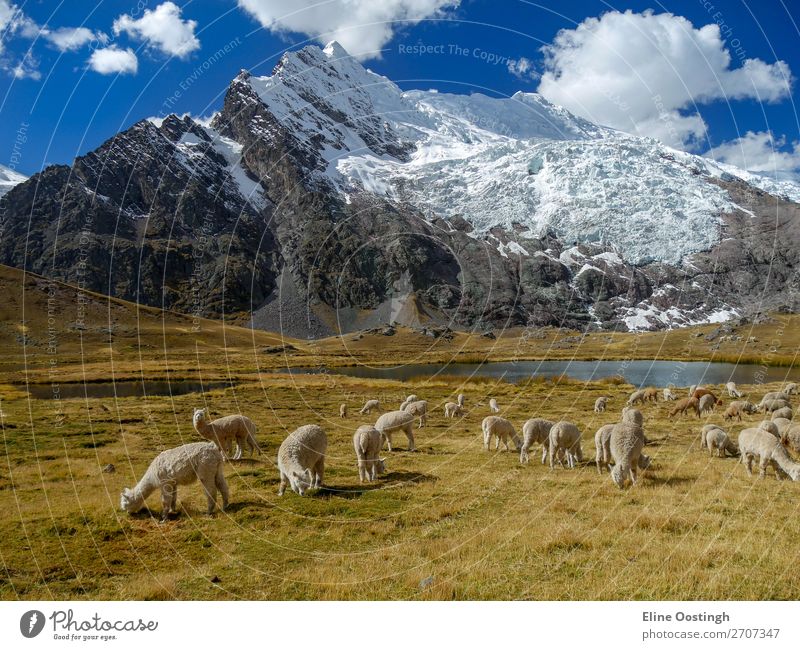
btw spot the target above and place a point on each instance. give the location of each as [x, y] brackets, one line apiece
[144, 489]
[786, 463]
[204, 428]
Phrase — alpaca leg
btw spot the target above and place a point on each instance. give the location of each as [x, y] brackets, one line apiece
[762, 468]
[320, 472]
[486, 439]
[210, 488]
[747, 461]
[496, 443]
[545, 451]
[222, 486]
[388, 438]
[168, 493]
[362, 470]
[634, 470]
[282, 486]
[523, 454]
[410, 436]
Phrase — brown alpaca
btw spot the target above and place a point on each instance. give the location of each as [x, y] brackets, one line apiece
[699, 392]
[651, 394]
[686, 403]
[733, 411]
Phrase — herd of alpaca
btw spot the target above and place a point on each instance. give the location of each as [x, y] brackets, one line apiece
[619, 445]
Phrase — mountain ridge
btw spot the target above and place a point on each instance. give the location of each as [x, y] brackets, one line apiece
[323, 199]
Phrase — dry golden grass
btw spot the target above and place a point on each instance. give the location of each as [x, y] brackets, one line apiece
[451, 521]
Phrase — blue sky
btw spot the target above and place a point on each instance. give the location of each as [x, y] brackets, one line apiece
[73, 74]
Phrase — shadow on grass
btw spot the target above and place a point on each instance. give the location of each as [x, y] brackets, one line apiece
[391, 479]
[655, 479]
[238, 506]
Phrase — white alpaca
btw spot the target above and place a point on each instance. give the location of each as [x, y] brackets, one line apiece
[564, 438]
[600, 404]
[785, 412]
[706, 428]
[770, 405]
[342, 410]
[790, 389]
[757, 443]
[776, 394]
[627, 442]
[367, 442]
[451, 410]
[535, 430]
[394, 421]
[783, 425]
[733, 391]
[503, 431]
[707, 404]
[226, 430]
[790, 437]
[493, 407]
[636, 397]
[602, 445]
[669, 396]
[179, 466]
[369, 405]
[460, 400]
[717, 440]
[301, 459]
[770, 427]
[408, 400]
[418, 409]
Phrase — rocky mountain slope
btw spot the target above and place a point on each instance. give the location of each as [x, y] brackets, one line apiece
[323, 198]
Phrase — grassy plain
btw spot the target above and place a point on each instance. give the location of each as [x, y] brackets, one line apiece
[451, 521]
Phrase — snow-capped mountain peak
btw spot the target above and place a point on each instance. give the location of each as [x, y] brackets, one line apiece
[495, 161]
[9, 179]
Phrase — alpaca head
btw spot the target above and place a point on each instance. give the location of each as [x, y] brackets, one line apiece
[300, 481]
[199, 416]
[617, 477]
[380, 466]
[128, 501]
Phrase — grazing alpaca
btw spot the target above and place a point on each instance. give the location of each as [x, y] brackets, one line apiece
[179, 466]
[681, 406]
[301, 459]
[226, 430]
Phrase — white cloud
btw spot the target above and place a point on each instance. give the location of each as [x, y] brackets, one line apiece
[111, 60]
[13, 22]
[362, 27]
[69, 39]
[760, 152]
[646, 73]
[162, 28]
[523, 68]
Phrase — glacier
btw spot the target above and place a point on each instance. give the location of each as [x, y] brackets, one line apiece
[517, 162]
